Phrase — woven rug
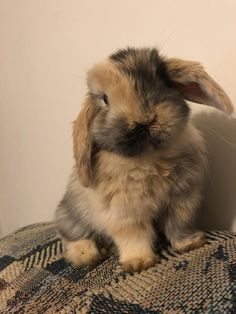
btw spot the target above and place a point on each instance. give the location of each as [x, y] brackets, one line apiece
[35, 278]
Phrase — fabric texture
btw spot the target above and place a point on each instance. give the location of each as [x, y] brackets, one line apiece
[35, 278]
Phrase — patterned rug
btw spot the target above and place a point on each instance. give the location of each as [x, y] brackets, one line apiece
[34, 278]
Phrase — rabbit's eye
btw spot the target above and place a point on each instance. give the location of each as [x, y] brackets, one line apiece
[105, 99]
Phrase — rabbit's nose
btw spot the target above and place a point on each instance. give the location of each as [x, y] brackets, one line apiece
[141, 131]
[145, 123]
[142, 126]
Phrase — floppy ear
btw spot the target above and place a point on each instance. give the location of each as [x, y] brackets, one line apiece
[194, 84]
[83, 142]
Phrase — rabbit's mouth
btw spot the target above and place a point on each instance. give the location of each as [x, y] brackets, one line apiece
[119, 137]
[134, 142]
[141, 139]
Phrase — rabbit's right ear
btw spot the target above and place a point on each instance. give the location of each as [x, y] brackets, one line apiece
[195, 84]
[83, 142]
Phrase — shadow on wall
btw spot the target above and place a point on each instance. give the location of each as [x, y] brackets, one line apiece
[219, 131]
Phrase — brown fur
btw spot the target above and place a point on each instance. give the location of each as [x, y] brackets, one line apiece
[82, 252]
[139, 263]
[193, 242]
[120, 89]
[116, 193]
[82, 142]
[196, 85]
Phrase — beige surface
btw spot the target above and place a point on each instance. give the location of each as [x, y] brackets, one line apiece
[46, 47]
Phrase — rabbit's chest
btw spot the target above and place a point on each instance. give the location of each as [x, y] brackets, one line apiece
[124, 184]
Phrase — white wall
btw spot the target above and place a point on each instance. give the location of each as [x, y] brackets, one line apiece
[46, 46]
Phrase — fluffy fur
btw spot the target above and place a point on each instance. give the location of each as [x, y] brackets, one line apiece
[140, 163]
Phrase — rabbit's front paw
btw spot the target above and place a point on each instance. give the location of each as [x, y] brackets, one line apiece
[82, 252]
[139, 263]
[192, 242]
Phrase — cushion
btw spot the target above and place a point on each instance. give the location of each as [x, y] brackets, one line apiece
[35, 278]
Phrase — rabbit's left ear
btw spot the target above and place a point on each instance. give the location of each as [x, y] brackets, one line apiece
[194, 84]
[83, 142]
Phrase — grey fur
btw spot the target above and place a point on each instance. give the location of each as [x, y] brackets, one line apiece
[72, 217]
[148, 174]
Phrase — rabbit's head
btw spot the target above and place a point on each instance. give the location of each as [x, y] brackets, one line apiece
[136, 104]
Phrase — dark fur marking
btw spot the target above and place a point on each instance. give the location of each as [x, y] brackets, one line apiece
[148, 71]
[125, 140]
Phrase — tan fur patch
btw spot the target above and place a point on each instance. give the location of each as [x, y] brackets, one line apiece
[135, 247]
[195, 241]
[82, 252]
[82, 142]
[106, 78]
[196, 85]
[140, 263]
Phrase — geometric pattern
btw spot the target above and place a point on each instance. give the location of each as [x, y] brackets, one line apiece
[35, 278]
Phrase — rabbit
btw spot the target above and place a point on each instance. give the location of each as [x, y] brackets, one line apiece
[140, 164]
